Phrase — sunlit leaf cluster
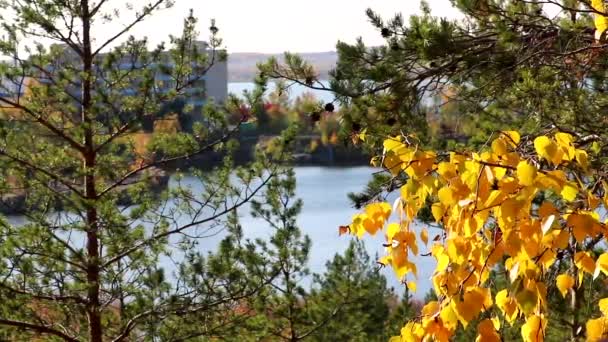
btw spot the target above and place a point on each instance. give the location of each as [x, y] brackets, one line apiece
[530, 206]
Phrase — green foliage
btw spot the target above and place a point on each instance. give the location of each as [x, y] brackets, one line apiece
[406, 310]
[74, 147]
[353, 297]
[454, 84]
[349, 301]
[450, 82]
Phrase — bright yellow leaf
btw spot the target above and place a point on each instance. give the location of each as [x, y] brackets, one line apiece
[546, 148]
[593, 201]
[412, 332]
[534, 329]
[602, 263]
[564, 283]
[448, 317]
[424, 235]
[466, 311]
[597, 329]
[377, 214]
[430, 309]
[569, 192]
[585, 262]
[565, 142]
[487, 332]
[447, 170]
[512, 137]
[499, 147]
[507, 305]
[560, 239]
[474, 301]
[357, 226]
[496, 323]
[547, 259]
[553, 180]
[363, 134]
[601, 22]
[564, 139]
[442, 262]
[438, 211]
[392, 144]
[526, 173]
[603, 304]
[393, 163]
[446, 196]
[584, 224]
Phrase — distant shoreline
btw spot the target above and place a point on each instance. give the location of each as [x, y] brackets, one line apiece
[242, 66]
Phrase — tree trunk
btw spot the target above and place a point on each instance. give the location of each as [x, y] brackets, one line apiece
[93, 310]
[89, 156]
[576, 295]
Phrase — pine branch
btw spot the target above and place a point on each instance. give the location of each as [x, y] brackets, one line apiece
[38, 328]
[132, 323]
[52, 298]
[38, 118]
[139, 18]
[148, 241]
[142, 168]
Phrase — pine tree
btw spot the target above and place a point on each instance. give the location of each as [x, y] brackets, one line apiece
[285, 302]
[352, 283]
[285, 310]
[505, 64]
[82, 266]
[407, 309]
[349, 301]
[535, 67]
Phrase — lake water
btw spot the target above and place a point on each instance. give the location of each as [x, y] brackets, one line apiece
[295, 91]
[326, 207]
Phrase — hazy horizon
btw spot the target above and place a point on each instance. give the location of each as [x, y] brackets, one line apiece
[268, 26]
[276, 26]
[279, 52]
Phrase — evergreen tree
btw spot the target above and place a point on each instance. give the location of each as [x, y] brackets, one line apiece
[285, 309]
[538, 67]
[514, 63]
[348, 302]
[407, 309]
[285, 301]
[71, 139]
[353, 284]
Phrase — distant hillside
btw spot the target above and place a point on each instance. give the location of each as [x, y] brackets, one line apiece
[242, 65]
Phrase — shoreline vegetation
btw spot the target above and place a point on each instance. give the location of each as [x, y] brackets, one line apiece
[317, 143]
[310, 150]
[19, 201]
[157, 179]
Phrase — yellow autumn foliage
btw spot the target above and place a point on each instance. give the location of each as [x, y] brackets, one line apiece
[486, 205]
[601, 21]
